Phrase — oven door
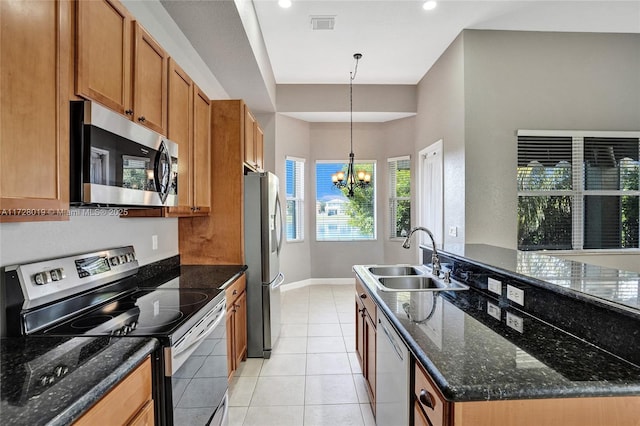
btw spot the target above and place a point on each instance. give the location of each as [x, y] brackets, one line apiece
[196, 379]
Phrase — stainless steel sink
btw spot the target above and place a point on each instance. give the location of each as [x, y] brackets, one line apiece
[395, 270]
[418, 283]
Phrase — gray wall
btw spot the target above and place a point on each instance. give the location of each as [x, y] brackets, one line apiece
[534, 80]
[441, 116]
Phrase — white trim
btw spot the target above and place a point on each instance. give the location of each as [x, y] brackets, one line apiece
[289, 157]
[316, 281]
[580, 133]
[402, 158]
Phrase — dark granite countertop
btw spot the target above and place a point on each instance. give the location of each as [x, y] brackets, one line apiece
[191, 276]
[614, 288]
[95, 366]
[472, 356]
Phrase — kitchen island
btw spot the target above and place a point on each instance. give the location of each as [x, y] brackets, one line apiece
[484, 352]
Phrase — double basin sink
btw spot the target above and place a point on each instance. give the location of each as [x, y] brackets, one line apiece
[411, 278]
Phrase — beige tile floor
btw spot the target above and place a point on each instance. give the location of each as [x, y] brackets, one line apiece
[313, 377]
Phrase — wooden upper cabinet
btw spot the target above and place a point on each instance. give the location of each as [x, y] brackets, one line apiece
[180, 118]
[35, 41]
[119, 65]
[201, 175]
[149, 82]
[253, 142]
[103, 55]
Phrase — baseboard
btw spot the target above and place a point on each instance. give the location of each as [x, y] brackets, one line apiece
[316, 281]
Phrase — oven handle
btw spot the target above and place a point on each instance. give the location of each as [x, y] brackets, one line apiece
[220, 310]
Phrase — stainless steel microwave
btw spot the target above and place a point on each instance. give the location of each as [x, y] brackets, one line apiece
[117, 162]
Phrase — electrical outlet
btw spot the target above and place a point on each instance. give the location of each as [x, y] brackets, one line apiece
[154, 242]
[515, 322]
[453, 231]
[495, 286]
[494, 311]
[515, 294]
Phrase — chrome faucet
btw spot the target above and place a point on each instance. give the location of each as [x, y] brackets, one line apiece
[435, 259]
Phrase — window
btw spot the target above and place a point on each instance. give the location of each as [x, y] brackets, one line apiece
[338, 217]
[294, 177]
[578, 190]
[399, 196]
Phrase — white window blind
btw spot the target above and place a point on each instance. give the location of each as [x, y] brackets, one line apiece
[399, 196]
[295, 198]
[343, 218]
[578, 190]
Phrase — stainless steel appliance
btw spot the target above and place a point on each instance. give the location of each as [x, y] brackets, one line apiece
[263, 235]
[392, 375]
[114, 161]
[98, 295]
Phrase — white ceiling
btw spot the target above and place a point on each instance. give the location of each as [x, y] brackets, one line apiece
[398, 39]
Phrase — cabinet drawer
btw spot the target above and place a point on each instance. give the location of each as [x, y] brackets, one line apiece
[123, 403]
[367, 301]
[235, 289]
[428, 398]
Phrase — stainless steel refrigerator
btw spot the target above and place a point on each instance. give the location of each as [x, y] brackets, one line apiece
[263, 234]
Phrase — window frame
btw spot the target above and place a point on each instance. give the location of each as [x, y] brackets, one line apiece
[393, 198]
[374, 176]
[578, 191]
[297, 199]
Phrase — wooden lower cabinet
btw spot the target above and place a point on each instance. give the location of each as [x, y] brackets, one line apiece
[366, 340]
[129, 403]
[430, 408]
[236, 324]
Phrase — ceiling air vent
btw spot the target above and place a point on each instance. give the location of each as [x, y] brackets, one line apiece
[323, 22]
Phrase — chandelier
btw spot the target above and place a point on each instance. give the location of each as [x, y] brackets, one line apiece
[351, 179]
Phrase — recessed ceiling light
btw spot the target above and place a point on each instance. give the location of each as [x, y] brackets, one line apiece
[429, 5]
[284, 3]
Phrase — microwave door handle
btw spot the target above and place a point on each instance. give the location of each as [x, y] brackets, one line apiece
[161, 181]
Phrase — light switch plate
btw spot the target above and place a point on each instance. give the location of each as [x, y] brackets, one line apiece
[515, 294]
[453, 231]
[494, 311]
[495, 286]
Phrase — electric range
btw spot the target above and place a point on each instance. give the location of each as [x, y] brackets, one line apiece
[99, 294]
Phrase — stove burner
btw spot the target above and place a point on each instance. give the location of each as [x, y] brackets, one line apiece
[162, 318]
[90, 322]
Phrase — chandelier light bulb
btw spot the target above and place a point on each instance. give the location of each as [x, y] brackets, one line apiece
[429, 5]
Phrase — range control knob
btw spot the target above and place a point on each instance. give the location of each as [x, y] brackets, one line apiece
[115, 260]
[60, 370]
[42, 278]
[123, 258]
[46, 380]
[57, 274]
[133, 325]
[130, 257]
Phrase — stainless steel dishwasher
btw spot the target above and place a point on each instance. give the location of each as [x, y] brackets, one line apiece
[392, 376]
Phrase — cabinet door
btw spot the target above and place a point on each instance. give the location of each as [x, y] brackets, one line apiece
[259, 146]
[370, 364]
[180, 116]
[201, 174]
[240, 328]
[360, 350]
[103, 56]
[149, 82]
[231, 360]
[35, 40]
[144, 417]
[249, 138]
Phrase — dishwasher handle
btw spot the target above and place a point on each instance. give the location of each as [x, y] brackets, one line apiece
[393, 342]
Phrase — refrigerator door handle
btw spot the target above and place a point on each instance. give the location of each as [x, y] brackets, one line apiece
[278, 282]
[278, 218]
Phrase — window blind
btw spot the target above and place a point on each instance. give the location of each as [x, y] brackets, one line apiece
[294, 177]
[399, 196]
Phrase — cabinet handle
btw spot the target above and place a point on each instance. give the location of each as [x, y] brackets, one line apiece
[142, 119]
[129, 112]
[235, 292]
[361, 310]
[363, 296]
[426, 399]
